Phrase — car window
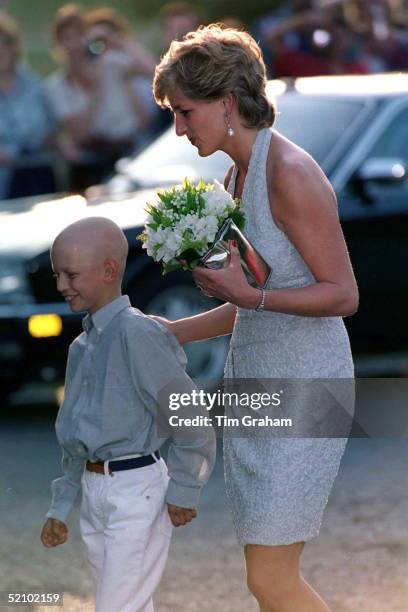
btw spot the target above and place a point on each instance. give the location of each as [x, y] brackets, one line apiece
[394, 140]
[392, 143]
[170, 158]
[318, 125]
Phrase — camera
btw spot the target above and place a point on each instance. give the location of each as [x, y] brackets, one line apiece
[95, 47]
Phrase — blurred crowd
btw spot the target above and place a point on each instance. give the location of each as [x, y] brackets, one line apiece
[97, 105]
[316, 37]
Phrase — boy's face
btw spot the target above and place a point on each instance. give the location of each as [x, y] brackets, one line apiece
[82, 278]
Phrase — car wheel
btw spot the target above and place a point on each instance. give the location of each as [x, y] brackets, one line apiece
[174, 298]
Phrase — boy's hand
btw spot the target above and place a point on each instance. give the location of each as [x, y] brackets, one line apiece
[53, 533]
[181, 516]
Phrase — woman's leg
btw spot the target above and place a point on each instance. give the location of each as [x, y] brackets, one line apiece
[274, 578]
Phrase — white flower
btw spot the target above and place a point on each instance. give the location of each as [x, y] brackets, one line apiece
[176, 230]
[218, 201]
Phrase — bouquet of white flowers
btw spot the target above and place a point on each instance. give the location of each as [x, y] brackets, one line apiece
[193, 225]
[183, 225]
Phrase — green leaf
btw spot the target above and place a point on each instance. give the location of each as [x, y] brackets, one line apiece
[171, 265]
[189, 254]
[239, 219]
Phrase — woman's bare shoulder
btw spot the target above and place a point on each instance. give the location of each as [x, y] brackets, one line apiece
[290, 166]
[288, 161]
[295, 179]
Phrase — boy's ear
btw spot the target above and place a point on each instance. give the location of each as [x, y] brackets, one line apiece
[111, 270]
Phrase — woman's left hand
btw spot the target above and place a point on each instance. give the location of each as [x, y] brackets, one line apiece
[228, 284]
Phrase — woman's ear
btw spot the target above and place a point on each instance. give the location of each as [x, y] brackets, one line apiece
[228, 102]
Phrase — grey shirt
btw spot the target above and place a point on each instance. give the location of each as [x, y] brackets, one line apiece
[120, 372]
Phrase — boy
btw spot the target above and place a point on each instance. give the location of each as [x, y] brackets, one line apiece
[116, 372]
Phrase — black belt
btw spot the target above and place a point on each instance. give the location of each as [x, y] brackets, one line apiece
[123, 464]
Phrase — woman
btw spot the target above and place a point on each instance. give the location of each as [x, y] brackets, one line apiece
[26, 125]
[106, 28]
[91, 97]
[214, 81]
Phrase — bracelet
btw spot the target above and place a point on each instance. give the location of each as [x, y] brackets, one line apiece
[261, 304]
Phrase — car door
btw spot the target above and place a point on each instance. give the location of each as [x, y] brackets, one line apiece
[375, 221]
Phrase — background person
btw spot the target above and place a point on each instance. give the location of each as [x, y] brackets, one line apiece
[382, 46]
[91, 98]
[109, 36]
[214, 81]
[26, 124]
[312, 41]
[178, 18]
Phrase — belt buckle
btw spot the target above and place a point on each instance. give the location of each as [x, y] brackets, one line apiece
[106, 469]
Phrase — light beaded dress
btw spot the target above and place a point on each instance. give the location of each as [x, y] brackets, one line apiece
[278, 487]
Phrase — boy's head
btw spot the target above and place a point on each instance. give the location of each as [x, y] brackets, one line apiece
[88, 259]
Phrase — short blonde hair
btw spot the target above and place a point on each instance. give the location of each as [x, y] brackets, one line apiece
[105, 15]
[212, 62]
[68, 15]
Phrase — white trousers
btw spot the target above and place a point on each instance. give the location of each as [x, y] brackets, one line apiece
[127, 530]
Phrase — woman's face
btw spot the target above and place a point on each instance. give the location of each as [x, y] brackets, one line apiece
[71, 39]
[204, 123]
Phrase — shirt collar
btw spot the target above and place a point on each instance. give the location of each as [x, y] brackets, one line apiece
[102, 317]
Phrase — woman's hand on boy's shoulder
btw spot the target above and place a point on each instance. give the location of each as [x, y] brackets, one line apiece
[162, 321]
[180, 516]
[53, 533]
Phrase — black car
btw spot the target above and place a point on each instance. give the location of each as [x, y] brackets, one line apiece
[356, 127]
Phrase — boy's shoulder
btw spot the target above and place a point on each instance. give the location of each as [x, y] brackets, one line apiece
[78, 341]
[126, 320]
[134, 321]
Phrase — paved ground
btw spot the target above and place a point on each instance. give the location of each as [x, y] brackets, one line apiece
[359, 562]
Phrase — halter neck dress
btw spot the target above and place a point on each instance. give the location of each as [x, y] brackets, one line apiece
[278, 487]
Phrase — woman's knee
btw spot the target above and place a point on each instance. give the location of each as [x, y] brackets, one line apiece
[271, 589]
[273, 574]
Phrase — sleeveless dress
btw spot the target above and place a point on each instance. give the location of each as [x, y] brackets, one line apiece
[278, 487]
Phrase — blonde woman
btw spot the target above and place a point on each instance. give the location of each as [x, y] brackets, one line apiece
[214, 82]
[26, 123]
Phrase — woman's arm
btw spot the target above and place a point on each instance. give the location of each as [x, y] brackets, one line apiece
[306, 210]
[211, 324]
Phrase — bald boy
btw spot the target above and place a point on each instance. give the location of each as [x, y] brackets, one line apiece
[116, 370]
[88, 260]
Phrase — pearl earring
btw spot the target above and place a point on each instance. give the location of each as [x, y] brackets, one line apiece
[230, 130]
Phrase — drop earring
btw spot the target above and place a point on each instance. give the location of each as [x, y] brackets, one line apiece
[230, 129]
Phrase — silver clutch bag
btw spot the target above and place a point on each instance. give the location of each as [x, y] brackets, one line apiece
[256, 270]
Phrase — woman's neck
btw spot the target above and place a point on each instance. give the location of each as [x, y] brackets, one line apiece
[239, 148]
